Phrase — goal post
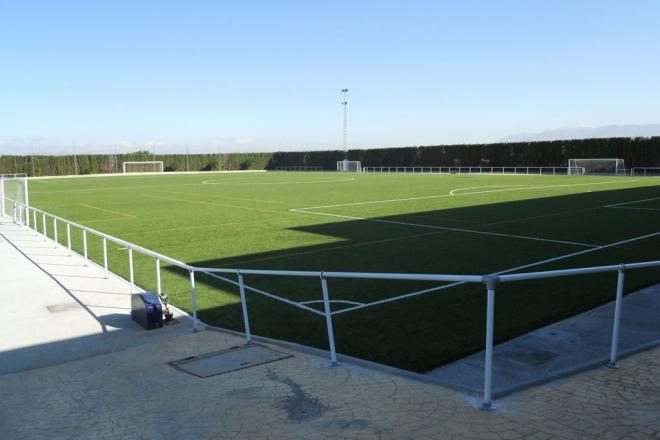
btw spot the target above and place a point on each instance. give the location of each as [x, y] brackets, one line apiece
[14, 197]
[596, 166]
[152, 166]
[349, 166]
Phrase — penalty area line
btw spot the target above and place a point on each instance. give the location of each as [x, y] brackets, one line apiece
[502, 272]
[445, 228]
[623, 205]
[453, 193]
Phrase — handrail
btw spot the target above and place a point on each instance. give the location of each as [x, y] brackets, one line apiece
[361, 275]
[491, 281]
[577, 271]
[113, 239]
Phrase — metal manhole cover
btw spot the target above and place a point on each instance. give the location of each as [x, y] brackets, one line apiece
[230, 359]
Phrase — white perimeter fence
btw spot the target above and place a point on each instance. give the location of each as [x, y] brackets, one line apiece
[22, 212]
[534, 171]
[645, 171]
[478, 170]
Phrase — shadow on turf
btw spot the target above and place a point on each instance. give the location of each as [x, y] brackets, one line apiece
[422, 333]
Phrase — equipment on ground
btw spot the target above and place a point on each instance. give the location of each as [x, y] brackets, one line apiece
[147, 310]
[167, 313]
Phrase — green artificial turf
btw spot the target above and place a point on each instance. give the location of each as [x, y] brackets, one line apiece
[385, 223]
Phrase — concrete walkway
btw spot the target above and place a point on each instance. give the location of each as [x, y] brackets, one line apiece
[120, 385]
[55, 308]
[566, 347]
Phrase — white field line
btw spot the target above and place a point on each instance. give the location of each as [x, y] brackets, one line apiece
[502, 272]
[264, 293]
[521, 187]
[621, 205]
[636, 209]
[238, 181]
[511, 188]
[444, 228]
[294, 182]
[455, 192]
[340, 301]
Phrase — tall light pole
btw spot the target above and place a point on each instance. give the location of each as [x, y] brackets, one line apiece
[32, 151]
[75, 160]
[344, 102]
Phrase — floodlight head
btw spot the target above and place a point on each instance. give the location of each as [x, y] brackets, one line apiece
[344, 90]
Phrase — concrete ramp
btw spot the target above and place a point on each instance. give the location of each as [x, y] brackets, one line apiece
[55, 308]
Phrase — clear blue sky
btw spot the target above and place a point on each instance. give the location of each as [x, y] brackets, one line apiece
[264, 75]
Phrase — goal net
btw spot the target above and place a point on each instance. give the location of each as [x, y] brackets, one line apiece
[596, 166]
[349, 166]
[142, 167]
[14, 201]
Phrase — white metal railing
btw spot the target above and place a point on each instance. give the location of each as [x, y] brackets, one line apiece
[477, 170]
[645, 171]
[490, 281]
[299, 168]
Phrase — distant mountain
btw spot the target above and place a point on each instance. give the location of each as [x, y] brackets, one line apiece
[606, 131]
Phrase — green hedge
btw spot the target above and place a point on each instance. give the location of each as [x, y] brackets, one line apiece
[637, 152]
[110, 163]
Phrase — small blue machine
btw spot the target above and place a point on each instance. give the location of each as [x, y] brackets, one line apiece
[147, 310]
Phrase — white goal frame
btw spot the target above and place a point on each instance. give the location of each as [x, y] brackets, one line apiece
[588, 166]
[143, 162]
[349, 166]
[15, 202]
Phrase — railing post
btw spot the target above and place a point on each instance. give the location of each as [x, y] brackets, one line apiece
[130, 269]
[43, 222]
[246, 320]
[34, 220]
[13, 205]
[328, 321]
[617, 319]
[68, 236]
[105, 256]
[487, 404]
[85, 245]
[2, 196]
[55, 231]
[158, 287]
[193, 297]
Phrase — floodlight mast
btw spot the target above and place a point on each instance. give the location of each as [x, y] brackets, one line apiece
[344, 102]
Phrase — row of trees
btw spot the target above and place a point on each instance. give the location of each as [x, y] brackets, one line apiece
[637, 152]
[112, 163]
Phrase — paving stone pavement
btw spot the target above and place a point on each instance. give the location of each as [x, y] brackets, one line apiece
[135, 394]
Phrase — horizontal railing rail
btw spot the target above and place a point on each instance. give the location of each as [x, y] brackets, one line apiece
[476, 170]
[299, 168]
[645, 171]
[490, 280]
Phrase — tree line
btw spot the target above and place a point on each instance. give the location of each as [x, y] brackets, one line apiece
[637, 152]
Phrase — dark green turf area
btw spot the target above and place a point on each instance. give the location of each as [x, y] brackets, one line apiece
[385, 223]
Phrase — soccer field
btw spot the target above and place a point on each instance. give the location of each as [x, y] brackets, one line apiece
[451, 224]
